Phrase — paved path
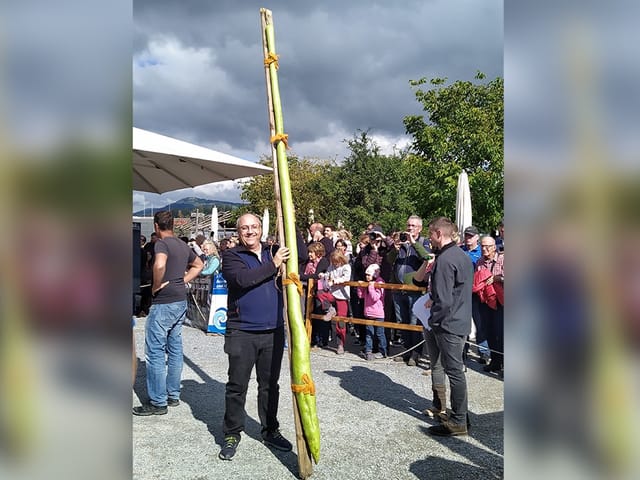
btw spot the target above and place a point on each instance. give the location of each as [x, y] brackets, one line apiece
[370, 422]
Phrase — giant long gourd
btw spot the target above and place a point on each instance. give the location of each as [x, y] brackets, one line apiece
[301, 378]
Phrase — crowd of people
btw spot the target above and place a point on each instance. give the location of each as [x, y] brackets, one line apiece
[463, 272]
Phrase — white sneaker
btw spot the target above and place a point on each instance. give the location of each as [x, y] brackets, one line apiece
[329, 315]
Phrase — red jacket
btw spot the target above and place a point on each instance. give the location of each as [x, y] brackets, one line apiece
[489, 294]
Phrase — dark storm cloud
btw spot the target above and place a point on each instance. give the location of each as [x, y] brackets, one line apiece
[344, 65]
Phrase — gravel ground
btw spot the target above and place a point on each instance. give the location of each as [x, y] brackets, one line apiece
[369, 412]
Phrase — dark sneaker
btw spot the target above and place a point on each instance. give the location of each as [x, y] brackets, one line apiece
[229, 447]
[448, 429]
[149, 409]
[173, 402]
[277, 441]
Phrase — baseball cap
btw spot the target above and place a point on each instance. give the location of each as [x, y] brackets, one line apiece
[471, 230]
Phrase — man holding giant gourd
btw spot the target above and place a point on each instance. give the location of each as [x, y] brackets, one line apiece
[255, 334]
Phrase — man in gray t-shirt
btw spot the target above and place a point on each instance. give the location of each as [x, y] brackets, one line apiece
[175, 264]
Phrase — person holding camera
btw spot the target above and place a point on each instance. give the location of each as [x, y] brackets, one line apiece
[374, 246]
[410, 252]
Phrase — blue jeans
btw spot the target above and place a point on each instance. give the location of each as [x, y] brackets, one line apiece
[163, 351]
[379, 332]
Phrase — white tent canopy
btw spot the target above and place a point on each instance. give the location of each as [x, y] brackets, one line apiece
[464, 217]
[162, 164]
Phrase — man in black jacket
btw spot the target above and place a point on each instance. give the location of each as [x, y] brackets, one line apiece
[451, 283]
[255, 334]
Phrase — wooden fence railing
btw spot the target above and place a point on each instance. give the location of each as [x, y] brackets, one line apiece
[311, 289]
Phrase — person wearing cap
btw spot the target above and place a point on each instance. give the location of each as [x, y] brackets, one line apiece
[373, 310]
[409, 253]
[472, 248]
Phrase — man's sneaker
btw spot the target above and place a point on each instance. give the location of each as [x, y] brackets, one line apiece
[173, 402]
[340, 349]
[379, 355]
[398, 359]
[149, 409]
[412, 362]
[229, 447]
[276, 440]
[369, 356]
[448, 429]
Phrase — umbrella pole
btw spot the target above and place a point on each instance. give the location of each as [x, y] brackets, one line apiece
[305, 466]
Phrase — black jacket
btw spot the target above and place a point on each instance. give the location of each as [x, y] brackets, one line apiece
[451, 282]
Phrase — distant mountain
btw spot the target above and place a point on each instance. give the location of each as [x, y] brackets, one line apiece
[191, 204]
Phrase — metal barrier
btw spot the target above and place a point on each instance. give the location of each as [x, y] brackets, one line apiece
[199, 302]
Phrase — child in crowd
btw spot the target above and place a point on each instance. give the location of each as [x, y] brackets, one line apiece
[335, 293]
[373, 310]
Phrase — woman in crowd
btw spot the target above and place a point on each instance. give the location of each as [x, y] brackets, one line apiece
[335, 296]
[316, 265]
[211, 260]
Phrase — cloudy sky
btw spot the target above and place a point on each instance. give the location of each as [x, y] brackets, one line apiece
[344, 67]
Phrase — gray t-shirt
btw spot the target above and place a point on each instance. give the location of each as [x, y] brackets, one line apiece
[179, 256]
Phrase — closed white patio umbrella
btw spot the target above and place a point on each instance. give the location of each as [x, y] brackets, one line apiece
[463, 203]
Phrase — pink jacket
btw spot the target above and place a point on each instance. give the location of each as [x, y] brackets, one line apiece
[373, 300]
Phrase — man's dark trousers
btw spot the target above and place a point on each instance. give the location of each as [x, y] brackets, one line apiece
[451, 347]
[246, 349]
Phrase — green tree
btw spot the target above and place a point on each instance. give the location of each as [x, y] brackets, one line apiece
[464, 130]
[370, 186]
[307, 178]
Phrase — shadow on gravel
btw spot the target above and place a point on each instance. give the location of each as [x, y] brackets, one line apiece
[434, 468]
[372, 386]
[486, 429]
[140, 385]
[369, 385]
[207, 405]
